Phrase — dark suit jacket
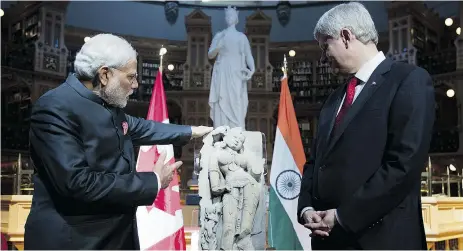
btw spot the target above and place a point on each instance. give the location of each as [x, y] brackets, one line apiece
[369, 168]
[86, 186]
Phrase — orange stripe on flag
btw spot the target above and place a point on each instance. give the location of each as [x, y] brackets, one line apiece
[289, 128]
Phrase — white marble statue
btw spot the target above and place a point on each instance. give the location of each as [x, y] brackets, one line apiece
[231, 185]
[233, 67]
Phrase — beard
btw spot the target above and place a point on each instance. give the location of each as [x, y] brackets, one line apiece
[114, 94]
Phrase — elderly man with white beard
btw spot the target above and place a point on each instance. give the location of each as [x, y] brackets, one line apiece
[81, 142]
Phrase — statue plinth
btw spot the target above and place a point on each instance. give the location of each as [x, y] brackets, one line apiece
[232, 188]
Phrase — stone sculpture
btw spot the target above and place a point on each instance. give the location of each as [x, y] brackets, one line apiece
[231, 184]
[233, 67]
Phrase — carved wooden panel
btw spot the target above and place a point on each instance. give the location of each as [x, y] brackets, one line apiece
[203, 106]
[263, 107]
[263, 126]
[191, 106]
[197, 80]
[252, 124]
[252, 106]
[190, 121]
[258, 80]
[202, 121]
[459, 45]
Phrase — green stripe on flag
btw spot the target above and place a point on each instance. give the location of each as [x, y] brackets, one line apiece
[281, 233]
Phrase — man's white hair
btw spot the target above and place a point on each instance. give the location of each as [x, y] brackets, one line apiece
[352, 16]
[102, 50]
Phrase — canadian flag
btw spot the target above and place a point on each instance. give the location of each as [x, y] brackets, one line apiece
[160, 226]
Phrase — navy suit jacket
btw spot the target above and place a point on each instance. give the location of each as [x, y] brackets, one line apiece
[369, 167]
[86, 185]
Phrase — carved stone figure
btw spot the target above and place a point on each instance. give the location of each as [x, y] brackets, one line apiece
[231, 182]
[233, 67]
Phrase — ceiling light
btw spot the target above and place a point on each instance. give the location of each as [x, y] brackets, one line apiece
[448, 21]
[292, 53]
[86, 39]
[450, 93]
[2, 13]
[170, 67]
[458, 31]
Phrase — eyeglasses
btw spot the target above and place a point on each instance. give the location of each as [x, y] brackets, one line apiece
[132, 76]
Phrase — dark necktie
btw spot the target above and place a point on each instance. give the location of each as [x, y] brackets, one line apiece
[350, 93]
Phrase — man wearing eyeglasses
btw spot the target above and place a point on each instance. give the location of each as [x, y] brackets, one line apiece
[81, 141]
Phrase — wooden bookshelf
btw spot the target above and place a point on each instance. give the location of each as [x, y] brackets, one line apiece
[16, 108]
[147, 77]
[174, 78]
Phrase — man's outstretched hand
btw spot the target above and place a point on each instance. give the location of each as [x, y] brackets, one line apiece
[199, 131]
[320, 222]
[164, 171]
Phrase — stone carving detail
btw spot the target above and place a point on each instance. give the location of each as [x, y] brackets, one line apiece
[284, 12]
[234, 66]
[50, 62]
[232, 190]
[171, 11]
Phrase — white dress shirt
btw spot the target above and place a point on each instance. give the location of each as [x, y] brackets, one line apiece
[363, 75]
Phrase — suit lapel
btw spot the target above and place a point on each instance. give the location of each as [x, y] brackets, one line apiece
[374, 82]
[329, 115]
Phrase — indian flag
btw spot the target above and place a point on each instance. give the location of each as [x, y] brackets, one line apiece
[284, 232]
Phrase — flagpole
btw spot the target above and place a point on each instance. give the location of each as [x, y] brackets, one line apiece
[269, 246]
[285, 67]
[162, 52]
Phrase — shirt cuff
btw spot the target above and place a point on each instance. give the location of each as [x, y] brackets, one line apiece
[305, 210]
[159, 182]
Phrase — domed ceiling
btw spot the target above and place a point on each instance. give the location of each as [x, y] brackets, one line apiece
[247, 4]
[239, 3]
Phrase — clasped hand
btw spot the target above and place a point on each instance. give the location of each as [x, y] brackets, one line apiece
[320, 222]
